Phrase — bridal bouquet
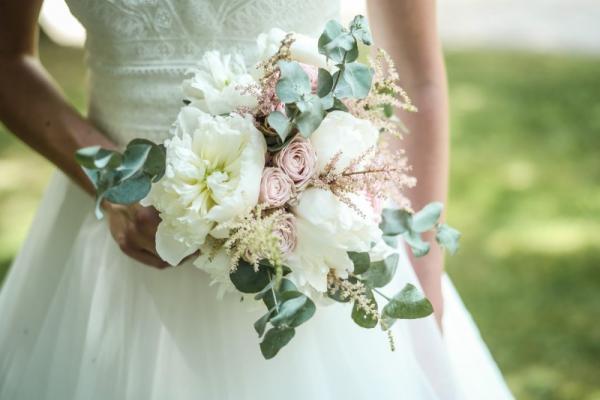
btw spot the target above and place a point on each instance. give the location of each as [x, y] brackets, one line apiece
[275, 174]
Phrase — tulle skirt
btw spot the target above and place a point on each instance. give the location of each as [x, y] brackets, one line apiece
[80, 320]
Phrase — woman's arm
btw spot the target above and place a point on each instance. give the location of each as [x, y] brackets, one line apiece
[34, 109]
[31, 105]
[407, 30]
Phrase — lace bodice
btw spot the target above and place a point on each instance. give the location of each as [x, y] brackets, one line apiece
[139, 50]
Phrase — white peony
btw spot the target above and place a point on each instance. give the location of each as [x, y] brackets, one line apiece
[341, 132]
[214, 168]
[326, 230]
[215, 86]
[304, 48]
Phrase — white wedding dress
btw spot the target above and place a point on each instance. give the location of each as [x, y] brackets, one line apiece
[80, 320]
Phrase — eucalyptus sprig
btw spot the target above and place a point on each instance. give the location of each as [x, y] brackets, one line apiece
[412, 225]
[287, 308]
[123, 178]
[305, 110]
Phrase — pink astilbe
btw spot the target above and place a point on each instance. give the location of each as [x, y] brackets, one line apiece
[386, 96]
[378, 173]
[264, 90]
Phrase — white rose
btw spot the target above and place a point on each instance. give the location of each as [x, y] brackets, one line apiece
[304, 49]
[341, 132]
[326, 230]
[215, 86]
[214, 168]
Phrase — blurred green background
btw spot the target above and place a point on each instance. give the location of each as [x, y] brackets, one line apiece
[525, 192]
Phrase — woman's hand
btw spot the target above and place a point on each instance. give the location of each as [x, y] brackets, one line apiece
[134, 229]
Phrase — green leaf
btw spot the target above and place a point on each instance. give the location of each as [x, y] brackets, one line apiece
[295, 309]
[134, 159]
[282, 125]
[275, 339]
[361, 262]
[409, 303]
[395, 222]
[380, 273]
[352, 54]
[311, 115]
[448, 237]
[328, 101]
[293, 83]
[95, 157]
[418, 246]
[338, 105]
[391, 241]
[324, 82]
[335, 41]
[156, 163]
[261, 324]
[129, 191]
[247, 280]
[354, 81]
[427, 218]
[285, 286]
[362, 318]
[359, 27]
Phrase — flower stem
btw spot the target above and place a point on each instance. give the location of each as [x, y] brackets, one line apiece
[381, 294]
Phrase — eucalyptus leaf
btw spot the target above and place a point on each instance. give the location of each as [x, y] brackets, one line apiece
[328, 101]
[293, 84]
[275, 339]
[448, 237]
[261, 324]
[380, 273]
[282, 125]
[295, 309]
[134, 159]
[247, 280]
[409, 303]
[354, 81]
[390, 240]
[335, 41]
[395, 221]
[418, 246]
[285, 286]
[324, 82]
[427, 218]
[311, 115]
[359, 27]
[338, 105]
[361, 317]
[361, 261]
[129, 191]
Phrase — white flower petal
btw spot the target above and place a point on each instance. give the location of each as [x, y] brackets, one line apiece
[168, 248]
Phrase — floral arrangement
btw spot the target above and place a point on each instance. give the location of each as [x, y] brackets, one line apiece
[276, 174]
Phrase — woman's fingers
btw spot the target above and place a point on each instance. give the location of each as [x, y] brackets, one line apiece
[143, 256]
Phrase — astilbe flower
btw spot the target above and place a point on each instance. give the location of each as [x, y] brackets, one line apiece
[352, 290]
[385, 97]
[378, 173]
[264, 91]
[258, 236]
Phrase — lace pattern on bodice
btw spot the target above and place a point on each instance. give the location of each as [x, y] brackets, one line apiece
[139, 50]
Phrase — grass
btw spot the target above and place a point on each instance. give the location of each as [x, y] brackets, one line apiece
[525, 173]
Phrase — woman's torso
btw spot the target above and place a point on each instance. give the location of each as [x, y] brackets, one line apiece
[139, 50]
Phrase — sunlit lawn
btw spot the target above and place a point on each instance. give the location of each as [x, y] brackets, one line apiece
[525, 192]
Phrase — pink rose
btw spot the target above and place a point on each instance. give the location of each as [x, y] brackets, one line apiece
[313, 74]
[298, 160]
[287, 234]
[276, 188]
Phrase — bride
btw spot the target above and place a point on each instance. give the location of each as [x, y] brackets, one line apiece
[89, 311]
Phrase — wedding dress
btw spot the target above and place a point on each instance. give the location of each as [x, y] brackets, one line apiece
[80, 320]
